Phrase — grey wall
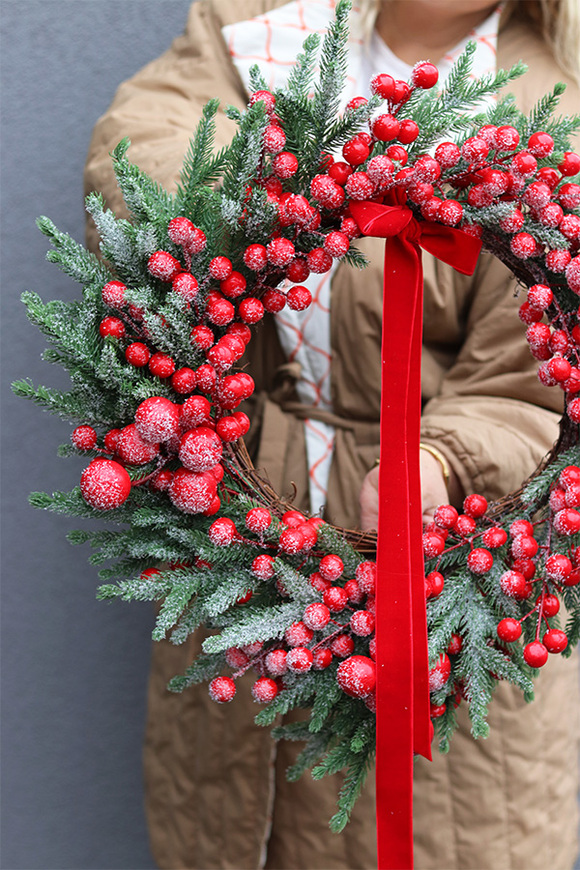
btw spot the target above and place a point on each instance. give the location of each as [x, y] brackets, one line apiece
[73, 670]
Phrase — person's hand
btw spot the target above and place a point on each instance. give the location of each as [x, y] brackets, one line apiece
[433, 491]
[369, 500]
[433, 488]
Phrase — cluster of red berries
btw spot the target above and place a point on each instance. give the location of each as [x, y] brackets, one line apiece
[555, 344]
[342, 612]
[532, 568]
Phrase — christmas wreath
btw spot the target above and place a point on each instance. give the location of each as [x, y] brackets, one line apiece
[155, 348]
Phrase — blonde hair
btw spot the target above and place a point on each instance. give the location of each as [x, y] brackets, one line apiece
[556, 21]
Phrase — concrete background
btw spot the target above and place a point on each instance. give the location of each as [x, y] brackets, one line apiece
[73, 669]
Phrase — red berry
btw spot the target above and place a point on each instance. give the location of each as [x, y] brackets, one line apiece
[300, 659]
[555, 640]
[133, 449]
[362, 623]
[512, 583]
[264, 690]
[340, 171]
[157, 419]
[474, 149]
[185, 285]
[255, 257]
[220, 268]
[251, 310]
[356, 676]
[433, 544]
[298, 634]
[183, 381]
[292, 541]
[535, 654]
[84, 438]
[383, 85]
[222, 532]
[234, 285]
[113, 294]
[540, 144]
[219, 310]
[447, 154]
[276, 662]
[258, 520]
[222, 689]
[299, 298]
[336, 244]
[274, 139]
[335, 598]
[366, 576]
[273, 300]
[265, 97]
[342, 646]
[385, 128]
[316, 616]
[229, 429]
[455, 645]
[570, 165]
[464, 526]
[202, 336]
[567, 522]
[507, 138]
[285, 165]
[193, 492]
[163, 266]
[319, 261]
[113, 327]
[550, 604]
[161, 365]
[494, 537]
[105, 484]
[480, 561]
[137, 354]
[331, 567]
[180, 230]
[322, 659]
[355, 151]
[434, 584]
[439, 673]
[280, 252]
[263, 567]
[111, 440]
[200, 449]
[195, 411]
[424, 75]
[475, 505]
[509, 629]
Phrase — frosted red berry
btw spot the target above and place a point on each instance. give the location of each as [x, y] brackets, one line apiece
[163, 266]
[105, 484]
[222, 532]
[112, 327]
[222, 689]
[84, 438]
[157, 419]
[356, 676]
[113, 294]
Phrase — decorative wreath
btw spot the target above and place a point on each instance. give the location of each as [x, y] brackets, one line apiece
[155, 352]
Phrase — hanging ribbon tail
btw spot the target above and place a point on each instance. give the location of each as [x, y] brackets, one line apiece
[403, 722]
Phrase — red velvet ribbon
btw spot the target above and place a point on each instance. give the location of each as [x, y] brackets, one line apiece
[403, 722]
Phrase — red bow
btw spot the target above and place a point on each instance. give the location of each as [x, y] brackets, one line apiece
[403, 722]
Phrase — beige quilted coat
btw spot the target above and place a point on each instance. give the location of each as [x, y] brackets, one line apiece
[216, 792]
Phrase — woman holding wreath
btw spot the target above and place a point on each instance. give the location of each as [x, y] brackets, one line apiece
[216, 792]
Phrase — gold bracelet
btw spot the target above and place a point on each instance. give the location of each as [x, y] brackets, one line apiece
[440, 459]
